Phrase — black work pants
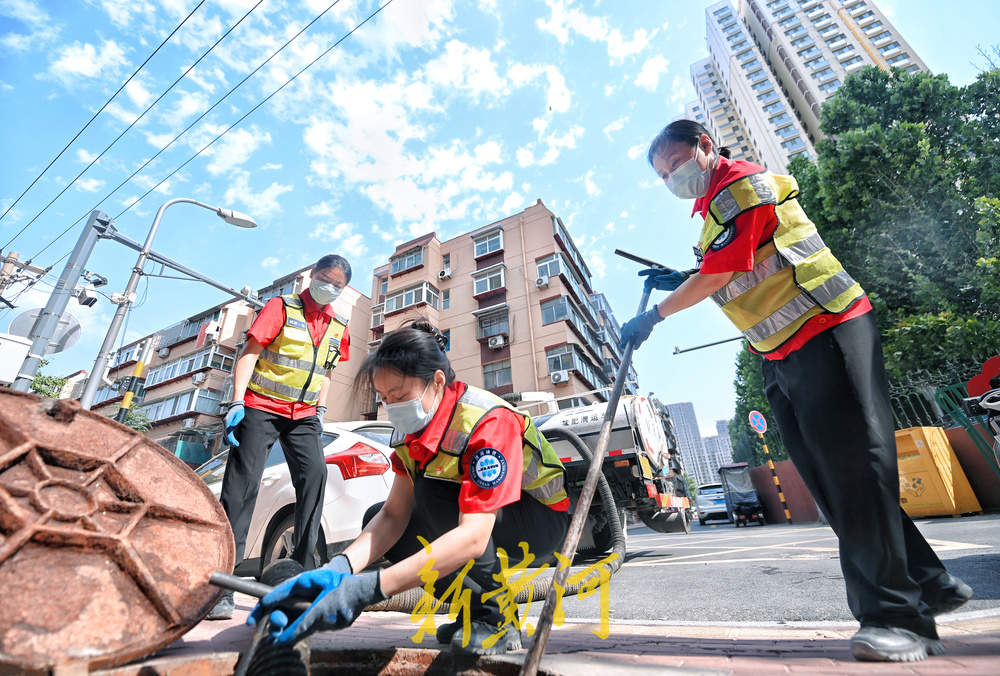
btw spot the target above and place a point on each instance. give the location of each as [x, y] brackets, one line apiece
[304, 454]
[435, 512]
[830, 400]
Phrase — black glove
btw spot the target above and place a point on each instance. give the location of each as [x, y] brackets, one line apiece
[638, 328]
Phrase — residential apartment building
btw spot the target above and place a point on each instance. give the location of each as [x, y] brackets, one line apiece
[690, 443]
[516, 302]
[714, 109]
[777, 61]
[189, 373]
[718, 448]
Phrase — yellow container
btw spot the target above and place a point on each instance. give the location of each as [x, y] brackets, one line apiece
[931, 482]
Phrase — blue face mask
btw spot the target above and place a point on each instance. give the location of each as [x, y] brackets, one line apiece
[322, 292]
[409, 417]
[689, 181]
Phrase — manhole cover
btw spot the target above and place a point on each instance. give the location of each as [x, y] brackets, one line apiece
[106, 539]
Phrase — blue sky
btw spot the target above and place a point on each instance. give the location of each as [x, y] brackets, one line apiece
[437, 115]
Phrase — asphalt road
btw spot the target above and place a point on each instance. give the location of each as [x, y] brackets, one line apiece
[774, 573]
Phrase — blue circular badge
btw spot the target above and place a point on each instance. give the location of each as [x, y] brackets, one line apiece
[724, 238]
[487, 468]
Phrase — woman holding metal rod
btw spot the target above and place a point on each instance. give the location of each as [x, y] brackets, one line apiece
[471, 475]
[764, 263]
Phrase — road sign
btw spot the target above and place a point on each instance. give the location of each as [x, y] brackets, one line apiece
[65, 336]
[758, 422]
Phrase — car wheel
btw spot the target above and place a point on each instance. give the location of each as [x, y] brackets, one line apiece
[280, 542]
[701, 521]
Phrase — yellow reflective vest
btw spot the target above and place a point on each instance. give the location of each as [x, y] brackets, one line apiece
[292, 367]
[543, 476]
[795, 275]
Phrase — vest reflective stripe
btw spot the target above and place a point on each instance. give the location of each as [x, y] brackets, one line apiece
[292, 367]
[795, 277]
[542, 477]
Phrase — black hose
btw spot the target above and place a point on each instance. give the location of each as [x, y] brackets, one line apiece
[537, 591]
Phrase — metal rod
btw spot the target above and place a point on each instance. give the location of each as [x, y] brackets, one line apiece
[544, 627]
[251, 588]
[678, 350]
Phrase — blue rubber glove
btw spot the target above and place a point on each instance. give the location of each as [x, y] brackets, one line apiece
[662, 280]
[321, 412]
[337, 601]
[232, 420]
[638, 328]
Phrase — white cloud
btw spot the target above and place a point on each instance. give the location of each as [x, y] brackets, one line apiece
[513, 202]
[235, 148]
[259, 204]
[139, 95]
[323, 209]
[84, 156]
[635, 151]
[270, 166]
[270, 263]
[465, 68]
[41, 28]
[184, 105]
[525, 157]
[557, 95]
[89, 184]
[597, 264]
[82, 59]
[617, 125]
[565, 21]
[417, 23]
[348, 243]
[609, 89]
[588, 183]
[557, 143]
[649, 76]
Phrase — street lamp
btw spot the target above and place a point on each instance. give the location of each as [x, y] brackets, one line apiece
[230, 216]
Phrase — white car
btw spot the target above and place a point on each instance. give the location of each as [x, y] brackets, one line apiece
[358, 477]
[711, 503]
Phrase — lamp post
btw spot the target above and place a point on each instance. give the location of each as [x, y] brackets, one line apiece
[103, 357]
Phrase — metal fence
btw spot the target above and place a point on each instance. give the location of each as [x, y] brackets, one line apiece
[914, 400]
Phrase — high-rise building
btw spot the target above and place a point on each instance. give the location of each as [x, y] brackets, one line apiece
[719, 448]
[189, 374]
[516, 302]
[690, 443]
[777, 61]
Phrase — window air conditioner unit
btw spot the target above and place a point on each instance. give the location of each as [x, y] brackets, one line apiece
[199, 378]
[212, 333]
[445, 274]
[496, 342]
[559, 377]
[542, 282]
[187, 424]
[163, 352]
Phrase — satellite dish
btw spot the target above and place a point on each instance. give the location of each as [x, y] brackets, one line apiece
[65, 336]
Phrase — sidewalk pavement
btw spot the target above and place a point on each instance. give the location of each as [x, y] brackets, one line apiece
[972, 642]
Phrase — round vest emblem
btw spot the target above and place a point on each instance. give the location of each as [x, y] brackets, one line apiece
[487, 468]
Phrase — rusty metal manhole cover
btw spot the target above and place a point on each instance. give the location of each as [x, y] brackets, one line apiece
[106, 539]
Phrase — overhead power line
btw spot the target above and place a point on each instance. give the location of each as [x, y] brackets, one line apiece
[193, 123]
[94, 117]
[132, 124]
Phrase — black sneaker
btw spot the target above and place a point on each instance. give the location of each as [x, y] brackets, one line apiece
[223, 609]
[447, 630]
[480, 632]
[951, 595]
[892, 644]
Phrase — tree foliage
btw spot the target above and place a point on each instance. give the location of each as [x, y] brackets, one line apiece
[47, 386]
[138, 420]
[905, 192]
[750, 396]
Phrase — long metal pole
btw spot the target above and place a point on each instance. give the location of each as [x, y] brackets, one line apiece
[544, 628]
[47, 322]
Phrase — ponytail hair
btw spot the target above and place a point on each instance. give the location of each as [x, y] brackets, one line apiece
[417, 350]
[684, 131]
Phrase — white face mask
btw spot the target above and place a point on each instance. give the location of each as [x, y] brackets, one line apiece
[409, 417]
[689, 181]
[322, 292]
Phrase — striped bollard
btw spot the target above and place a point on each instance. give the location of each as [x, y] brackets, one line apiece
[759, 424]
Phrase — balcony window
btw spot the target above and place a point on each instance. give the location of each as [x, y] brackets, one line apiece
[830, 86]
[862, 17]
[785, 132]
[854, 61]
[896, 59]
[493, 325]
[208, 401]
[785, 23]
[211, 356]
[733, 38]
[798, 30]
[407, 261]
[488, 280]
[569, 247]
[422, 293]
[802, 41]
[378, 317]
[825, 30]
[761, 86]
[497, 374]
[752, 64]
[130, 353]
[817, 63]
[741, 44]
[489, 243]
[781, 119]
[570, 357]
[759, 73]
[560, 358]
[767, 96]
[889, 47]
[835, 39]
[383, 286]
[823, 74]
[169, 407]
[875, 25]
[794, 144]
[784, 11]
[884, 35]
[821, 18]
[269, 292]
[446, 299]
[774, 107]
[843, 50]
[720, 12]
[811, 51]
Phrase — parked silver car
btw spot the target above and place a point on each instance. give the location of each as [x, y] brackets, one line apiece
[711, 503]
[358, 476]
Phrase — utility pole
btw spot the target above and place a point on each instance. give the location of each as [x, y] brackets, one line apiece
[9, 265]
[48, 321]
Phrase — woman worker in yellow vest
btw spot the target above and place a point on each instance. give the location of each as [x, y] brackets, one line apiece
[764, 263]
[471, 475]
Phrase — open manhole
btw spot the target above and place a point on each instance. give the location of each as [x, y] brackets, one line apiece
[383, 662]
[107, 540]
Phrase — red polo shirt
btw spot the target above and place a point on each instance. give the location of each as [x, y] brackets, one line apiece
[754, 228]
[267, 326]
[500, 430]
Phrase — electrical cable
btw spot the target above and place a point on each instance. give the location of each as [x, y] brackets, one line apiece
[132, 124]
[94, 117]
[249, 112]
[185, 130]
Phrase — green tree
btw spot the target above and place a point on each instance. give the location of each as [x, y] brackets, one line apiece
[138, 420]
[47, 386]
[750, 396]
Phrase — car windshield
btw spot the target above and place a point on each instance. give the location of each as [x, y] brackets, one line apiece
[380, 434]
[710, 490]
